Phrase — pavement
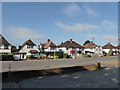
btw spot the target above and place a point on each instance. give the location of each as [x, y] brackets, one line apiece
[103, 78]
[49, 64]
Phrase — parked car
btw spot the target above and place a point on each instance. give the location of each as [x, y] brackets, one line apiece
[51, 56]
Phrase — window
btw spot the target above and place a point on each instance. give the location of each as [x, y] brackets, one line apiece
[30, 46]
[5, 46]
[52, 48]
[66, 48]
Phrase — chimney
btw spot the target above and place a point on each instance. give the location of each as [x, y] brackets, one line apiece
[70, 40]
[91, 41]
[19, 47]
[109, 43]
[48, 40]
[61, 42]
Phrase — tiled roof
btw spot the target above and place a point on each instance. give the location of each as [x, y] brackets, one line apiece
[108, 46]
[71, 44]
[3, 41]
[118, 47]
[17, 52]
[48, 44]
[33, 51]
[28, 42]
[90, 45]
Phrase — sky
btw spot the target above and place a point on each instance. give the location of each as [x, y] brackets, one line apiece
[60, 21]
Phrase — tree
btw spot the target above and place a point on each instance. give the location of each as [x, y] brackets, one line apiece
[110, 52]
[87, 41]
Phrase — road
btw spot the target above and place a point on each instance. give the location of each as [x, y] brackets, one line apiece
[104, 78]
[48, 64]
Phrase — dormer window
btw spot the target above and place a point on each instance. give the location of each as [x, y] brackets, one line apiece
[30, 46]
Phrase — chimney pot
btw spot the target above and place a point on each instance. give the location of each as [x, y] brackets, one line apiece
[48, 40]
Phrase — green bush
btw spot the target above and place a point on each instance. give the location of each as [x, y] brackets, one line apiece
[42, 57]
[110, 53]
[54, 53]
[58, 53]
[56, 57]
[28, 56]
[47, 52]
[86, 56]
[66, 55]
[39, 57]
[43, 52]
[7, 57]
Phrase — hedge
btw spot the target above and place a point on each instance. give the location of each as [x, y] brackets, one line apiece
[56, 57]
[47, 52]
[54, 53]
[7, 57]
[59, 54]
[66, 55]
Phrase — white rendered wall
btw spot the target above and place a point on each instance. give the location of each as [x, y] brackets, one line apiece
[26, 50]
[2, 50]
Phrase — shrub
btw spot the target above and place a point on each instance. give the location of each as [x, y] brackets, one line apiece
[47, 52]
[43, 52]
[66, 55]
[39, 57]
[28, 56]
[42, 57]
[56, 57]
[7, 57]
[59, 54]
[110, 53]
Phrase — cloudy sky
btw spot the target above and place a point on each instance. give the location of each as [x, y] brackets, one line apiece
[60, 21]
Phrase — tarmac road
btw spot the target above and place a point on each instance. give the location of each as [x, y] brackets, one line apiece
[104, 78]
[48, 64]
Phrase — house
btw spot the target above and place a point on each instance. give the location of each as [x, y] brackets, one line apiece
[92, 49]
[71, 48]
[106, 48]
[5, 46]
[28, 49]
[118, 49]
[48, 46]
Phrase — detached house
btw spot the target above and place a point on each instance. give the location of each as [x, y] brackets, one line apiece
[48, 46]
[118, 49]
[106, 48]
[5, 46]
[92, 49]
[28, 48]
[72, 48]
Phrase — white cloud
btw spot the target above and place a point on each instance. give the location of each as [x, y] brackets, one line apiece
[91, 12]
[72, 10]
[109, 25]
[24, 33]
[77, 27]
